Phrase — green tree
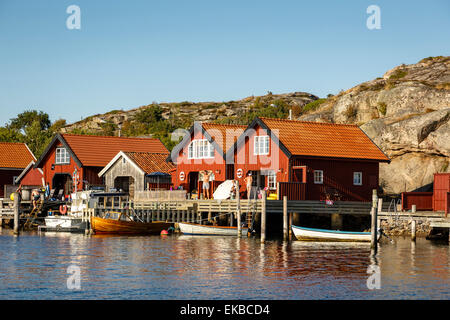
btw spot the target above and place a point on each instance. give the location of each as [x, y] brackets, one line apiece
[27, 118]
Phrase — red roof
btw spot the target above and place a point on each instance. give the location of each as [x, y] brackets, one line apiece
[324, 139]
[98, 151]
[151, 162]
[225, 135]
[15, 155]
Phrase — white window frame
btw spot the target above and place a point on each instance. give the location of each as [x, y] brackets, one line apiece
[257, 150]
[318, 181]
[272, 185]
[357, 174]
[200, 149]
[62, 157]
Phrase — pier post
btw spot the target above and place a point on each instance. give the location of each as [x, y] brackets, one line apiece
[194, 212]
[413, 223]
[290, 226]
[238, 210]
[17, 199]
[285, 219]
[263, 216]
[1, 213]
[374, 227]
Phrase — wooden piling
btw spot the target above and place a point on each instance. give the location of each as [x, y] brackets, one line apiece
[374, 227]
[413, 223]
[17, 199]
[285, 219]
[263, 216]
[238, 210]
[290, 225]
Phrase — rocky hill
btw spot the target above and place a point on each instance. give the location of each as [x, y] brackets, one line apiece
[184, 113]
[407, 114]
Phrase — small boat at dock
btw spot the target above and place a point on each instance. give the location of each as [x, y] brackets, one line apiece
[120, 223]
[207, 230]
[312, 234]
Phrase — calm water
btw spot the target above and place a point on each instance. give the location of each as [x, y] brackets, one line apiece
[34, 266]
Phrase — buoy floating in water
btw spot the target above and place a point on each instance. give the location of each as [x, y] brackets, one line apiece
[164, 232]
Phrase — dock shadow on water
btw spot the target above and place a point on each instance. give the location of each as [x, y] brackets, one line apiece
[35, 266]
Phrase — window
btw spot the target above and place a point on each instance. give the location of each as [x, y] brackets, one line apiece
[200, 149]
[318, 176]
[62, 156]
[272, 180]
[261, 146]
[357, 178]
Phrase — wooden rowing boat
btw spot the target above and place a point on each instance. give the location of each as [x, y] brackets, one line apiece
[117, 226]
[197, 229]
[312, 234]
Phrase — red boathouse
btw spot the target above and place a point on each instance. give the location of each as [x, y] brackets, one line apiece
[204, 148]
[307, 160]
[72, 162]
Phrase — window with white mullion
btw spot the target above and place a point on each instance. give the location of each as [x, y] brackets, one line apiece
[200, 149]
[62, 156]
[191, 150]
[357, 178]
[261, 145]
[272, 180]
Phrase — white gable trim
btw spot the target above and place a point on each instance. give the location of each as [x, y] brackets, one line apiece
[119, 156]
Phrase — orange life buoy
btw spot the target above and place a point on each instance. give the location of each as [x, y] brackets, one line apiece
[63, 209]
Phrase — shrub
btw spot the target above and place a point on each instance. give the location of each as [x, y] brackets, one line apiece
[398, 74]
[351, 112]
[382, 108]
[313, 105]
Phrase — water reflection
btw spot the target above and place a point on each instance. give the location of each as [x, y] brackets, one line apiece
[34, 266]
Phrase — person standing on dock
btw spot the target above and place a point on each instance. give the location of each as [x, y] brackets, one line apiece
[248, 182]
[47, 190]
[35, 196]
[206, 175]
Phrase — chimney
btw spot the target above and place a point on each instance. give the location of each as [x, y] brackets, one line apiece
[290, 114]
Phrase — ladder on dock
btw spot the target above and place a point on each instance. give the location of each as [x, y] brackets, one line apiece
[33, 214]
[251, 213]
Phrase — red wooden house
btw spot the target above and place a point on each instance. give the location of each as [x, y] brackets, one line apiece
[204, 148]
[307, 160]
[72, 162]
[14, 157]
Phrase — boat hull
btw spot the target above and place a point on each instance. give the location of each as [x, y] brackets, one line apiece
[196, 229]
[62, 222]
[311, 234]
[111, 226]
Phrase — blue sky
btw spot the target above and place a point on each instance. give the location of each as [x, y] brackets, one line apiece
[132, 53]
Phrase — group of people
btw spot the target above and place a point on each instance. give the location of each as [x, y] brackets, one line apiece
[36, 194]
[206, 176]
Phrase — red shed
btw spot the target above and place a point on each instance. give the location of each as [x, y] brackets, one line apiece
[30, 176]
[308, 160]
[441, 188]
[204, 148]
[14, 157]
[74, 161]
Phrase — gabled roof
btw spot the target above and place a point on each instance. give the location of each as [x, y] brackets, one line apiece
[151, 162]
[24, 172]
[145, 162]
[15, 155]
[97, 151]
[303, 138]
[223, 133]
